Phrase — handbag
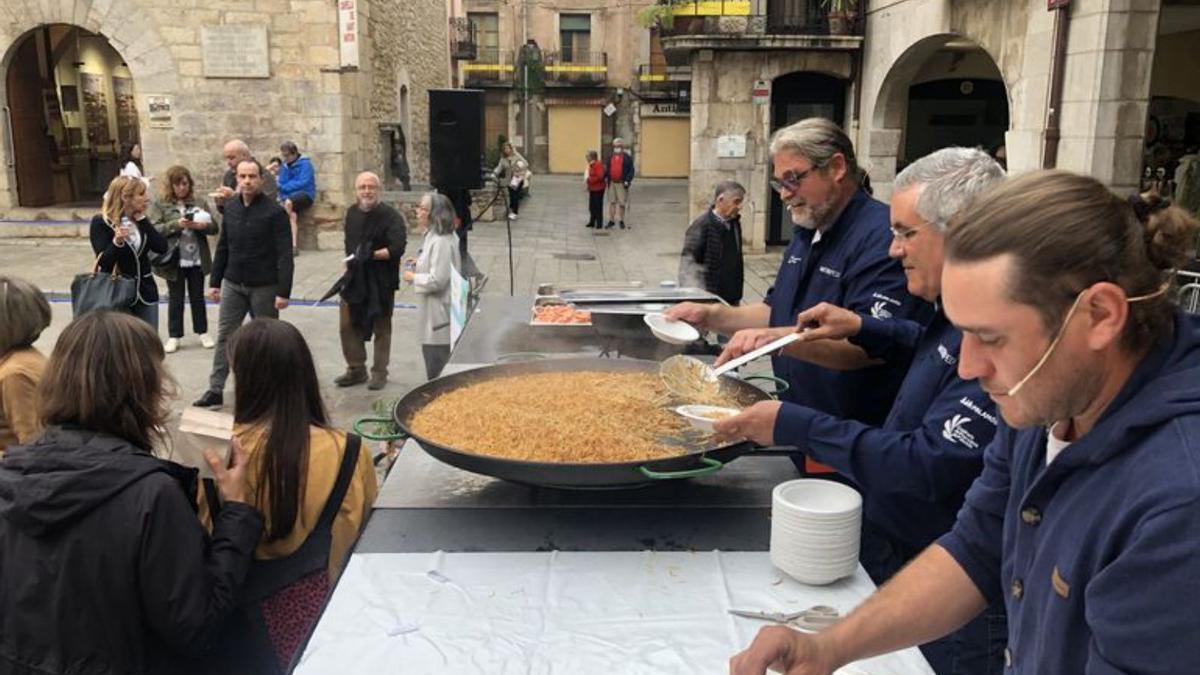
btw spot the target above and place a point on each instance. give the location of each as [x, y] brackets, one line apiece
[169, 258]
[283, 598]
[96, 290]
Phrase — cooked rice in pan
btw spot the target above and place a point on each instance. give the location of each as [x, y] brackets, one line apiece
[570, 417]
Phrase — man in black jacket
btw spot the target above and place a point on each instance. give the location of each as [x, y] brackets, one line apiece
[252, 270]
[712, 246]
[376, 237]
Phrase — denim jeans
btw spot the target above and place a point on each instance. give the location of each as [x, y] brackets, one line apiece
[147, 313]
[236, 302]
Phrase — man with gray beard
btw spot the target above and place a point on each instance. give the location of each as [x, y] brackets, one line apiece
[839, 255]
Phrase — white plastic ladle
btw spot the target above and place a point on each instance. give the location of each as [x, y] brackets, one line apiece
[694, 377]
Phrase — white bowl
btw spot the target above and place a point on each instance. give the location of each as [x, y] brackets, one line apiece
[815, 529]
[816, 499]
[703, 417]
[671, 332]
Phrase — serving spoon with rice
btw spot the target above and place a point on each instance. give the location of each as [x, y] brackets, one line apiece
[691, 378]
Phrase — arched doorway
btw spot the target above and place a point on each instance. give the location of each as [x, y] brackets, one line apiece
[944, 90]
[794, 97]
[71, 103]
[1171, 158]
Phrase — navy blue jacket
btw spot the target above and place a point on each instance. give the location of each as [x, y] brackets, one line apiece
[1097, 556]
[849, 267]
[915, 469]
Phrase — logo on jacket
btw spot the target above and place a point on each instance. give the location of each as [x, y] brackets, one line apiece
[793, 259]
[954, 430]
[949, 358]
[830, 272]
[880, 310]
[978, 410]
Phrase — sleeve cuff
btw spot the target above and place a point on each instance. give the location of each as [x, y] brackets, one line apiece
[875, 337]
[792, 425]
[421, 279]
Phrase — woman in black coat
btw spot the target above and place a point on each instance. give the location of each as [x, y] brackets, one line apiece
[122, 235]
[104, 566]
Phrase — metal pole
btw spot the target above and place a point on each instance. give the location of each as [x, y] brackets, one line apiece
[525, 66]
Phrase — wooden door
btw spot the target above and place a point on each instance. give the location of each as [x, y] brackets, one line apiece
[31, 145]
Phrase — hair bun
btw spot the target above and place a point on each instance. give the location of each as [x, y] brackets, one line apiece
[1170, 232]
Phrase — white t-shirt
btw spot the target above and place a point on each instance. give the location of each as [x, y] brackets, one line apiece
[131, 169]
[1054, 445]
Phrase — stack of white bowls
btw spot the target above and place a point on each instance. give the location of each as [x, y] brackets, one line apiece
[815, 527]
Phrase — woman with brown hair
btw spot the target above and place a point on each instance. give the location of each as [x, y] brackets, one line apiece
[104, 567]
[24, 314]
[122, 237]
[187, 226]
[297, 464]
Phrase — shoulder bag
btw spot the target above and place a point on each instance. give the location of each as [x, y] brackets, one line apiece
[96, 290]
[283, 597]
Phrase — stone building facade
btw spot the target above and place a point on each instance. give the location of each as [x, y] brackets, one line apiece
[929, 73]
[306, 91]
[1106, 79]
[588, 56]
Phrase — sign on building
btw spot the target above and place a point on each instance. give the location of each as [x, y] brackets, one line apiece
[235, 51]
[761, 93]
[160, 112]
[665, 109]
[348, 32]
[731, 145]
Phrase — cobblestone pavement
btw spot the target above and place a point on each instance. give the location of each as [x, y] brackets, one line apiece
[550, 243]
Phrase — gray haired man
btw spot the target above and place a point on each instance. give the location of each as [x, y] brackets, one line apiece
[915, 469]
[712, 246]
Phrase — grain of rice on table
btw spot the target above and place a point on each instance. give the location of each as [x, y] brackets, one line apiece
[569, 417]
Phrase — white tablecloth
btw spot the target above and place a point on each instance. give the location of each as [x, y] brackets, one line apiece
[532, 613]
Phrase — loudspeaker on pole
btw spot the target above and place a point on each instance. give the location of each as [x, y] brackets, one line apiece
[456, 138]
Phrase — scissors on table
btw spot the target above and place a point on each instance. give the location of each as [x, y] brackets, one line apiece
[813, 619]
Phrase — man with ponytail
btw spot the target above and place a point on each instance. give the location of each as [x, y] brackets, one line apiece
[1085, 521]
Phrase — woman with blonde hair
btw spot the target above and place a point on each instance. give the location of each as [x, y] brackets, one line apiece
[177, 216]
[122, 238]
[104, 567]
[24, 314]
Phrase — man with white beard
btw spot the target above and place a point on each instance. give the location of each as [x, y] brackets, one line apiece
[838, 254]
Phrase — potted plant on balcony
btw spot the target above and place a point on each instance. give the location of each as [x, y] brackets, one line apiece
[663, 16]
[841, 15]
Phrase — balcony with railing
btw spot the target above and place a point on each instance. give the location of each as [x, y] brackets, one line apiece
[491, 68]
[463, 43]
[573, 68]
[659, 80]
[763, 24]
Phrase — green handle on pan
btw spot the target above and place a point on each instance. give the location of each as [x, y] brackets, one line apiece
[358, 424]
[711, 466]
[781, 385]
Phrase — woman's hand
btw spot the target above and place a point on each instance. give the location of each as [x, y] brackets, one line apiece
[231, 479]
[409, 275]
[120, 233]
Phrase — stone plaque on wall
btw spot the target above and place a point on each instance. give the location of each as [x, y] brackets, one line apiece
[235, 51]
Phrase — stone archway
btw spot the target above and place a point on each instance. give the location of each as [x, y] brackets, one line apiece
[889, 118]
[130, 29]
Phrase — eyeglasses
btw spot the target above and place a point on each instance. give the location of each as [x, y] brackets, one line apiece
[903, 234]
[792, 179]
